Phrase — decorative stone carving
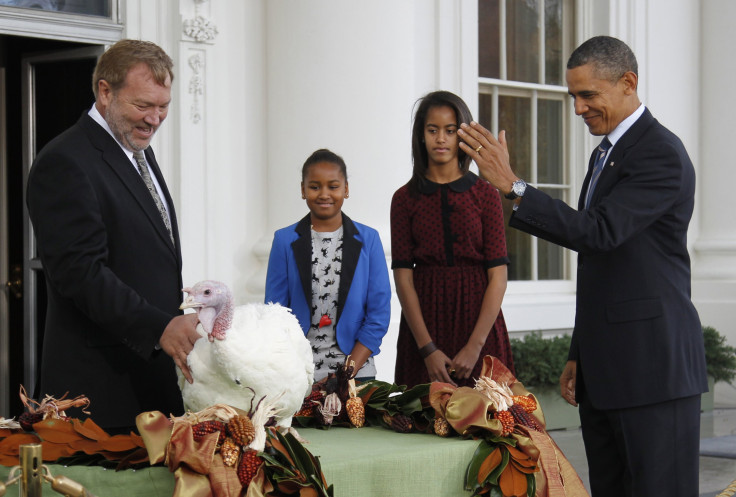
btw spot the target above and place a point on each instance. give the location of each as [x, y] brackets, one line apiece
[196, 85]
[200, 28]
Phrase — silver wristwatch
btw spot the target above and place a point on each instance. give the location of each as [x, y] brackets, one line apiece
[518, 188]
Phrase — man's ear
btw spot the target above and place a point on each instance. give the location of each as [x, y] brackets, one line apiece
[104, 95]
[631, 80]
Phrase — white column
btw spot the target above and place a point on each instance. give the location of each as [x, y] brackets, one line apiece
[714, 264]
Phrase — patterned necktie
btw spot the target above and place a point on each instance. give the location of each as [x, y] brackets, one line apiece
[597, 168]
[140, 159]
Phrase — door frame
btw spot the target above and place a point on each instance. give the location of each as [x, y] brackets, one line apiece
[31, 263]
[4, 272]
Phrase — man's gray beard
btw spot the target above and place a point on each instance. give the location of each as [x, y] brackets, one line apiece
[112, 119]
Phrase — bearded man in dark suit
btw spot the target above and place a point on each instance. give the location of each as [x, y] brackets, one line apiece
[636, 366]
[110, 248]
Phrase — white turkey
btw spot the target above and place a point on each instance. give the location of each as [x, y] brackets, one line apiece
[252, 352]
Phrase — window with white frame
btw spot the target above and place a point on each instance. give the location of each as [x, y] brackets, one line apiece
[522, 49]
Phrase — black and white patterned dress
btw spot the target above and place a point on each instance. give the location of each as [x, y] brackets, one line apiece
[326, 269]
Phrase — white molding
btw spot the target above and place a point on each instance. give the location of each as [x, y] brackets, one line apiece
[722, 246]
[196, 63]
[195, 221]
[58, 26]
[256, 283]
[199, 28]
[539, 312]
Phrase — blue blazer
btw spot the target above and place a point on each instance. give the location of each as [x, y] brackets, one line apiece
[364, 294]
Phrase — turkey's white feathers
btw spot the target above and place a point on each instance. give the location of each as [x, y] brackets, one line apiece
[264, 350]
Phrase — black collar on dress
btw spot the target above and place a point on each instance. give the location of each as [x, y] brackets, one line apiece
[460, 185]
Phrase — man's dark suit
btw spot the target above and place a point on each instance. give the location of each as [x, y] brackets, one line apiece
[112, 273]
[637, 338]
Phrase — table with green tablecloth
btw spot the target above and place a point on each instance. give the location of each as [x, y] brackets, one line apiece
[366, 461]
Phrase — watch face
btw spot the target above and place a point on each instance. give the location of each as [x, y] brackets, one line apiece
[519, 188]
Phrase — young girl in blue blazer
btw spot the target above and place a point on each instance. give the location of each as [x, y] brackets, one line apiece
[332, 273]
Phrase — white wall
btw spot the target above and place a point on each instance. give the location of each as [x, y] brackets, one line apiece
[714, 270]
[340, 76]
[283, 78]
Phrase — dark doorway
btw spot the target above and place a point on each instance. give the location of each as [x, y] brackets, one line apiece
[46, 90]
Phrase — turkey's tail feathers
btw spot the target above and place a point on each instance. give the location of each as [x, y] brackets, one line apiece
[264, 412]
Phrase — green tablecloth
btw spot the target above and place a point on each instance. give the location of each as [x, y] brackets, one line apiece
[147, 482]
[358, 462]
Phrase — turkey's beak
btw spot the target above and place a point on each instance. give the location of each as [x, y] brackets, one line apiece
[190, 304]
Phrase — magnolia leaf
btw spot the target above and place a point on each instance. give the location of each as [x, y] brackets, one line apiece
[411, 400]
[489, 464]
[493, 477]
[512, 482]
[288, 487]
[134, 458]
[297, 454]
[483, 450]
[57, 431]
[521, 458]
[380, 392]
[85, 445]
[119, 443]
[367, 391]
[89, 429]
[292, 467]
[10, 447]
[531, 486]
[276, 443]
[52, 451]
[496, 492]
[522, 468]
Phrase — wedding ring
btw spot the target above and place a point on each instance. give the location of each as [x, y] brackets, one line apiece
[451, 371]
[478, 149]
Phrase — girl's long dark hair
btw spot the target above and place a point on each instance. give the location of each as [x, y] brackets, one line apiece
[419, 149]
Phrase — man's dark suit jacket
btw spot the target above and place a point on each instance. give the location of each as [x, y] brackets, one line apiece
[637, 335]
[112, 273]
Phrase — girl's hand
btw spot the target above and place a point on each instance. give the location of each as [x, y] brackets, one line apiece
[437, 363]
[465, 360]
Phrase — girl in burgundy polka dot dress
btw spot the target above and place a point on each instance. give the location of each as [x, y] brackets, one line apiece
[449, 256]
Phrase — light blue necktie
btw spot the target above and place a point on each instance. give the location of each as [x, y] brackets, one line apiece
[600, 160]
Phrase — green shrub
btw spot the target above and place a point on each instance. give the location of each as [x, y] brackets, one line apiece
[720, 358]
[539, 361]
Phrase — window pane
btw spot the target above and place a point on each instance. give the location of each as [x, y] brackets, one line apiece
[522, 31]
[550, 257]
[553, 42]
[518, 245]
[514, 115]
[485, 110]
[549, 142]
[89, 7]
[488, 39]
